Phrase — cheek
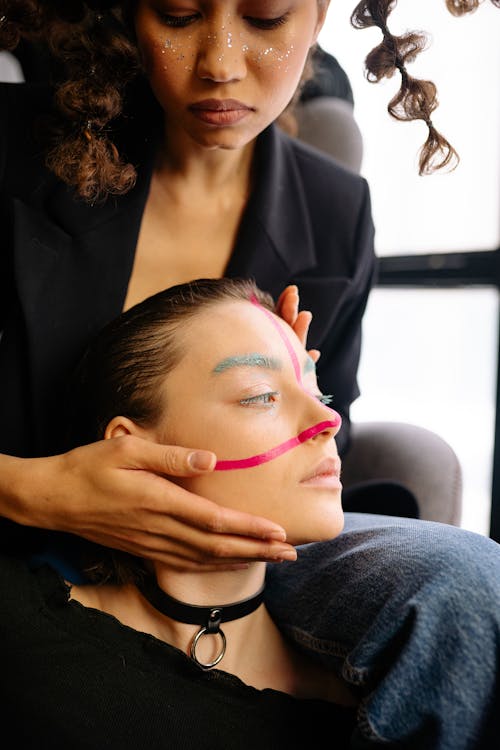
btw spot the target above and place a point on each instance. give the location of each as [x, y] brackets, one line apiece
[279, 67]
[173, 55]
[249, 490]
[162, 55]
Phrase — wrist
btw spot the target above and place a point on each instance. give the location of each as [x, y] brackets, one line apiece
[24, 489]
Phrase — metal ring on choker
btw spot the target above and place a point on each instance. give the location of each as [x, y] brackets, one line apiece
[192, 650]
[209, 619]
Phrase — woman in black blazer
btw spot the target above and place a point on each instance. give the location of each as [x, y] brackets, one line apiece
[104, 200]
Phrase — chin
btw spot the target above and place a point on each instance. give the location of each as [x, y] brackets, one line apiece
[328, 526]
[226, 139]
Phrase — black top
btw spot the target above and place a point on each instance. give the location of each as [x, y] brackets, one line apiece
[76, 678]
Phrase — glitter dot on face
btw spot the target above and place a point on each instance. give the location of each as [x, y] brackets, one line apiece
[226, 54]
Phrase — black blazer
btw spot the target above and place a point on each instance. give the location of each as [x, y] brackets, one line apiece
[65, 265]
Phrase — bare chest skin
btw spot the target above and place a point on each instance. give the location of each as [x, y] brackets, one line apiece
[183, 237]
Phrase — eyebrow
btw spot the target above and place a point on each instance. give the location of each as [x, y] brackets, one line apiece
[248, 360]
[309, 366]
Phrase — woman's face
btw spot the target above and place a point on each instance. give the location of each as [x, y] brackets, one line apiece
[223, 70]
[237, 392]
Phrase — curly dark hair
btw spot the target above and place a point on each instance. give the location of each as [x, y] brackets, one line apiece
[416, 99]
[93, 40]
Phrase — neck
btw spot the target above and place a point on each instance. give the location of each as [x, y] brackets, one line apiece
[213, 587]
[218, 605]
[182, 161]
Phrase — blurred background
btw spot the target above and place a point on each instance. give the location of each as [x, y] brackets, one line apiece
[430, 351]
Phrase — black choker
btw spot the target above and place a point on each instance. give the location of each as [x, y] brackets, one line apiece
[208, 618]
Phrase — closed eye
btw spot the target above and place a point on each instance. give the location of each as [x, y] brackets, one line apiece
[177, 21]
[262, 399]
[267, 23]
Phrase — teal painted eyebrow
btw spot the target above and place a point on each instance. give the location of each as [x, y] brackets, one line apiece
[248, 360]
[309, 366]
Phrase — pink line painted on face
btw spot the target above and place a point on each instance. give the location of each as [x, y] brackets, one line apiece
[302, 437]
[262, 458]
[284, 337]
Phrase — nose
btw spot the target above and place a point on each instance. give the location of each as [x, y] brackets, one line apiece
[321, 413]
[221, 58]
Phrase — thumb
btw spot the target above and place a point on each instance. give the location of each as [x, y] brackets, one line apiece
[174, 459]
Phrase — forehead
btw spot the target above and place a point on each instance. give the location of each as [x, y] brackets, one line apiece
[231, 327]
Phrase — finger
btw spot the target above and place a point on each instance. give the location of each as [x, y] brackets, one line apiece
[169, 460]
[156, 548]
[168, 503]
[315, 354]
[301, 325]
[230, 549]
[219, 557]
[197, 515]
[197, 548]
[288, 304]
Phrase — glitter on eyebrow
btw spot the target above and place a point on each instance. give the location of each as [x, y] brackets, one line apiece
[309, 366]
[248, 360]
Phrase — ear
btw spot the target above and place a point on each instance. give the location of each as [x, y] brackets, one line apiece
[120, 426]
[322, 11]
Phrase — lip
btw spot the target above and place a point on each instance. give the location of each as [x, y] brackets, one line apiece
[220, 111]
[326, 474]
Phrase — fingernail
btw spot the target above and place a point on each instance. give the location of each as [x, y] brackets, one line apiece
[289, 554]
[277, 535]
[200, 460]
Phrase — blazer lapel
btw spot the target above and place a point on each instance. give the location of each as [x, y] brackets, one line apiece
[81, 253]
[275, 240]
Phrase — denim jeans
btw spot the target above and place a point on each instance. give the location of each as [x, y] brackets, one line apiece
[407, 611]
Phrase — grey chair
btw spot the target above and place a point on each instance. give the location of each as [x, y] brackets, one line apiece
[415, 457]
[328, 123]
[10, 69]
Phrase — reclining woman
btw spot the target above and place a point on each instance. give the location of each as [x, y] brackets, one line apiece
[207, 360]
[145, 661]
[92, 222]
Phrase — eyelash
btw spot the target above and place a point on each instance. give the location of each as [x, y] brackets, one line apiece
[177, 21]
[266, 399]
[265, 24]
[269, 398]
[325, 399]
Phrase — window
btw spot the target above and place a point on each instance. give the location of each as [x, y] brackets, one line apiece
[430, 348]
